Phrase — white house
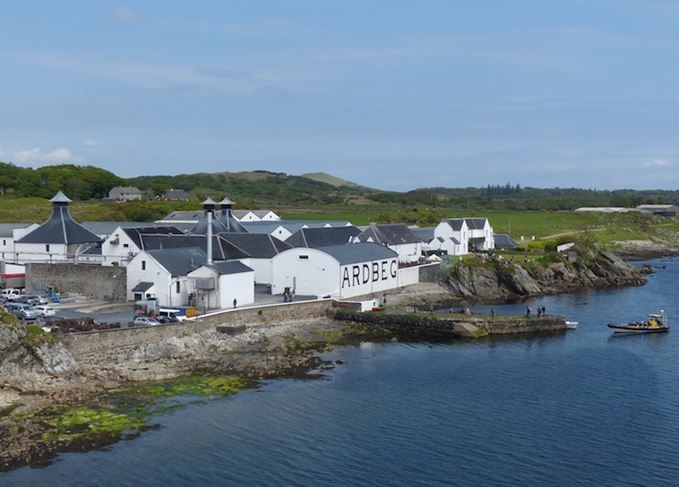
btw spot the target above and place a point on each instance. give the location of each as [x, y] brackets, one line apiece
[124, 193]
[124, 243]
[10, 233]
[163, 274]
[397, 237]
[217, 285]
[481, 236]
[453, 236]
[340, 271]
[60, 238]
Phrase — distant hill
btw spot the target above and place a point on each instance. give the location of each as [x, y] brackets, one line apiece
[330, 179]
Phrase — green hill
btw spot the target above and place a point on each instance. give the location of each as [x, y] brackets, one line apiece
[330, 179]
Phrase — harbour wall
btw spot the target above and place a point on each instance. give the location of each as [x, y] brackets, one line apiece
[425, 325]
[94, 345]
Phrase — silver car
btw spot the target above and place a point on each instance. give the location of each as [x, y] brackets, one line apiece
[23, 311]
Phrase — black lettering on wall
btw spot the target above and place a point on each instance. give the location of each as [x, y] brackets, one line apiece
[393, 269]
[345, 278]
[384, 270]
[376, 272]
[356, 275]
[366, 273]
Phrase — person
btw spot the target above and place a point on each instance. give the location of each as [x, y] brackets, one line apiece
[539, 310]
[235, 303]
[528, 311]
[492, 312]
[544, 310]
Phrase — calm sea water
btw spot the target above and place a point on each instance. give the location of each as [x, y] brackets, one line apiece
[577, 409]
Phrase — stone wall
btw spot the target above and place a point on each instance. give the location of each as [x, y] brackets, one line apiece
[88, 345]
[95, 281]
[423, 325]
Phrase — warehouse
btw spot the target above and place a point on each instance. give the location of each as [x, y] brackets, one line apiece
[221, 284]
[397, 237]
[340, 271]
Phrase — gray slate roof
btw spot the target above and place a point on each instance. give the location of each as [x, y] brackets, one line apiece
[322, 237]
[229, 267]
[221, 249]
[60, 228]
[6, 229]
[504, 241]
[360, 252]
[181, 261]
[192, 216]
[135, 233]
[423, 234]
[455, 223]
[476, 223]
[392, 234]
[176, 194]
[107, 228]
[142, 287]
[256, 245]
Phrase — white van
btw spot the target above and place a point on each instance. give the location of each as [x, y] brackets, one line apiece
[10, 294]
[170, 315]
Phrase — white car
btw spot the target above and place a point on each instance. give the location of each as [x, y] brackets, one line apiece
[10, 294]
[146, 321]
[45, 310]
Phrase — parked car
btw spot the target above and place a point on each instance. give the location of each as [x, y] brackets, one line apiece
[11, 293]
[45, 310]
[23, 311]
[31, 299]
[145, 321]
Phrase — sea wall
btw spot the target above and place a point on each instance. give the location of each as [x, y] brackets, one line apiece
[95, 281]
[426, 325]
[97, 345]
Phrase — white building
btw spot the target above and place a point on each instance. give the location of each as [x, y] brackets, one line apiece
[217, 285]
[255, 215]
[259, 250]
[124, 193]
[340, 271]
[455, 235]
[10, 233]
[124, 243]
[60, 238]
[397, 237]
[481, 236]
[163, 274]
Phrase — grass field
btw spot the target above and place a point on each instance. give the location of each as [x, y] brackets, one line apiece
[543, 225]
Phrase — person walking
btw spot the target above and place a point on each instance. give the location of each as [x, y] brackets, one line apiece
[528, 312]
[235, 303]
[539, 310]
[544, 310]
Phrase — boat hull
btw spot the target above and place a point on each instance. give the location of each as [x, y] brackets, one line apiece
[628, 329]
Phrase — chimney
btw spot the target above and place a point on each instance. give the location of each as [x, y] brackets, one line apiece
[209, 207]
[226, 205]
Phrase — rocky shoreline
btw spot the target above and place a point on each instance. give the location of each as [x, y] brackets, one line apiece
[498, 280]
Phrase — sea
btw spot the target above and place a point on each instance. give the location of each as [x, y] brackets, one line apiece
[584, 408]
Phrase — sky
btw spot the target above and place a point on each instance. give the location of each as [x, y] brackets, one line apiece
[391, 94]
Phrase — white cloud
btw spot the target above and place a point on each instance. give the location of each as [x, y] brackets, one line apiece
[656, 163]
[124, 14]
[38, 157]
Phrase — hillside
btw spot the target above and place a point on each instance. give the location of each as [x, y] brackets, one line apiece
[330, 179]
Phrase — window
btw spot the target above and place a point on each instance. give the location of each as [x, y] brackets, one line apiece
[47, 248]
[126, 246]
[178, 288]
[4, 242]
[143, 265]
[303, 257]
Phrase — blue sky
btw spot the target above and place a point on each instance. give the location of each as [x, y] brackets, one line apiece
[392, 94]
